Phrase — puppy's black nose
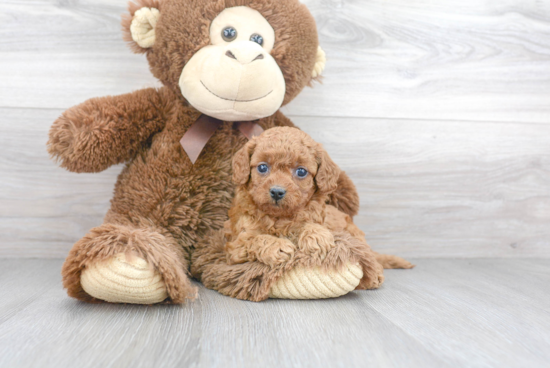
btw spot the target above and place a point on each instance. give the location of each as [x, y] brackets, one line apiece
[277, 193]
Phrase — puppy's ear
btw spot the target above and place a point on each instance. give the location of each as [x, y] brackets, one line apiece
[327, 173]
[241, 163]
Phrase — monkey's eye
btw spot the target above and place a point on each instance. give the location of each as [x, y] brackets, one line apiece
[257, 38]
[229, 34]
[262, 168]
[301, 172]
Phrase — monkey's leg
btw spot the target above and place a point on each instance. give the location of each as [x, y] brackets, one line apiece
[124, 264]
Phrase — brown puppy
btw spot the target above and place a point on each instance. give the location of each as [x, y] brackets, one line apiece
[280, 209]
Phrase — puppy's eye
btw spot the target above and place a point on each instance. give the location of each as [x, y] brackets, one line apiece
[262, 168]
[257, 38]
[229, 34]
[301, 172]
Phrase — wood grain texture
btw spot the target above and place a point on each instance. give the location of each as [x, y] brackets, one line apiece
[445, 189]
[44, 209]
[452, 189]
[453, 60]
[444, 313]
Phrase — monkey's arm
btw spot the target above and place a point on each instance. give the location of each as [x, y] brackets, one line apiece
[105, 131]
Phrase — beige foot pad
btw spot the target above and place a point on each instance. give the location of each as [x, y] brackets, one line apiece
[122, 279]
[313, 283]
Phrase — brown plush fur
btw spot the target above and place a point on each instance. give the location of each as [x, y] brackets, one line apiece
[265, 237]
[163, 204]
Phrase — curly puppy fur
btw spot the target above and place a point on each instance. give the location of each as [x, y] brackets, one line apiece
[162, 203]
[267, 235]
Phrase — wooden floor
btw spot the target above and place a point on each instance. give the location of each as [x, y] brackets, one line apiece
[443, 313]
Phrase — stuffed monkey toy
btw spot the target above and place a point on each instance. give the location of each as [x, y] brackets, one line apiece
[226, 66]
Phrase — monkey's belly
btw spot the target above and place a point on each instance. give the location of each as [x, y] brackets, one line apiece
[161, 189]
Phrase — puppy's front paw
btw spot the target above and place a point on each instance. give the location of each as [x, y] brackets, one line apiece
[274, 251]
[316, 241]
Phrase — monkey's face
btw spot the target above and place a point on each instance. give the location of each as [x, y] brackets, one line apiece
[230, 59]
[235, 78]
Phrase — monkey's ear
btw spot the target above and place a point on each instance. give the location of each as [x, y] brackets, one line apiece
[320, 61]
[241, 163]
[327, 173]
[139, 25]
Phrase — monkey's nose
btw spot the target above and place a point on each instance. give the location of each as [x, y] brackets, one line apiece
[277, 193]
[245, 55]
[231, 55]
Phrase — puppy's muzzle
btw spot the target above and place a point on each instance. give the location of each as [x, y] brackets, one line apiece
[277, 193]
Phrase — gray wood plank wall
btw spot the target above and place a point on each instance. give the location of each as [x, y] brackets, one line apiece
[439, 111]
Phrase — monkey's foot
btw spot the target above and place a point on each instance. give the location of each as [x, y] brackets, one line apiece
[314, 283]
[124, 279]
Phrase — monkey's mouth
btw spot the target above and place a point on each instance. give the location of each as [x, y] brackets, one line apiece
[232, 100]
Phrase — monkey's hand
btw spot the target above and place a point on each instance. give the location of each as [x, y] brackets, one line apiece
[105, 131]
